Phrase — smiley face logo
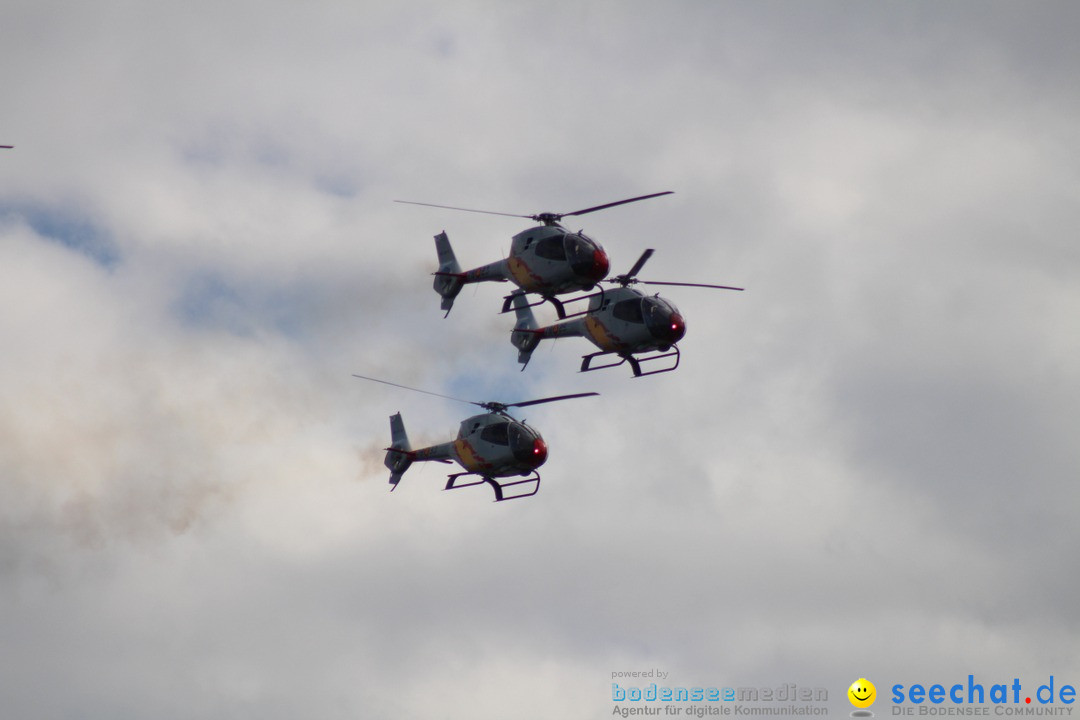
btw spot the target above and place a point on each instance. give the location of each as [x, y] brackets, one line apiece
[862, 693]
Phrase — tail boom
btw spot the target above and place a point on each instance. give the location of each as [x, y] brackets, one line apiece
[450, 279]
[527, 333]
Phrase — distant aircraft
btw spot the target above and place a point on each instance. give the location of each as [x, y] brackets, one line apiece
[623, 322]
[548, 260]
[491, 446]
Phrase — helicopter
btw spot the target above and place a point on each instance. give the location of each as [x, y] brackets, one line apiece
[548, 260]
[624, 322]
[491, 446]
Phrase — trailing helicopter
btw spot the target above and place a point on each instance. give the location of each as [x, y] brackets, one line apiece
[623, 322]
[548, 260]
[491, 446]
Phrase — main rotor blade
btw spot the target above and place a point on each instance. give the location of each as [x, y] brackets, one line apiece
[685, 284]
[406, 387]
[450, 207]
[617, 202]
[550, 399]
[640, 263]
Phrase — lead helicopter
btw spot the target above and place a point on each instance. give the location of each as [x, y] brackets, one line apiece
[623, 322]
[491, 446]
[547, 260]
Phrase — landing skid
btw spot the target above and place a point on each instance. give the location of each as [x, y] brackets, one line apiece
[560, 310]
[560, 305]
[635, 362]
[499, 488]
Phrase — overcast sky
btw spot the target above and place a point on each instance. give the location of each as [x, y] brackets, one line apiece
[866, 464]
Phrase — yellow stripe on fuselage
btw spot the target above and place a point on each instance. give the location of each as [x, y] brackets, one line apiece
[468, 457]
[600, 335]
[525, 278]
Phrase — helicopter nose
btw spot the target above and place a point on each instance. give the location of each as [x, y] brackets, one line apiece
[676, 328]
[539, 452]
[600, 265]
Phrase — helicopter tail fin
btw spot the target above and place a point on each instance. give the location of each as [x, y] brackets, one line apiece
[399, 454]
[448, 279]
[524, 336]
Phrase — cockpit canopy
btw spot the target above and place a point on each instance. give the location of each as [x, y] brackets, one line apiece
[524, 442]
[657, 314]
[587, 259]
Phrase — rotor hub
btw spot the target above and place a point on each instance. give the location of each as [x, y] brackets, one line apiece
[548, 218]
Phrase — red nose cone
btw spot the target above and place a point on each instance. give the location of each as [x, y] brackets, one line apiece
[539, 452]
[678, 327]
[600, 266]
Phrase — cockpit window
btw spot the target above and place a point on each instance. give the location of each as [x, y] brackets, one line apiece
[522, 441]
[663, 320]
[657, 311]
[629, 310]
[496, 434]
[587, 260]
[579, 248]
[551, 248]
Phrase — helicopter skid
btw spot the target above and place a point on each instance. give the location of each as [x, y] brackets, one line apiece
[635, 362]
[500, 488]
[558, 304]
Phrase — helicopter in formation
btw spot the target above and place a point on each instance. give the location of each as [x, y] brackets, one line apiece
[626, 324]
[623, 322]
[548, 260]
[491, 446]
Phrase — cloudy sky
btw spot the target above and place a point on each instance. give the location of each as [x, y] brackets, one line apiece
[865, 466]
